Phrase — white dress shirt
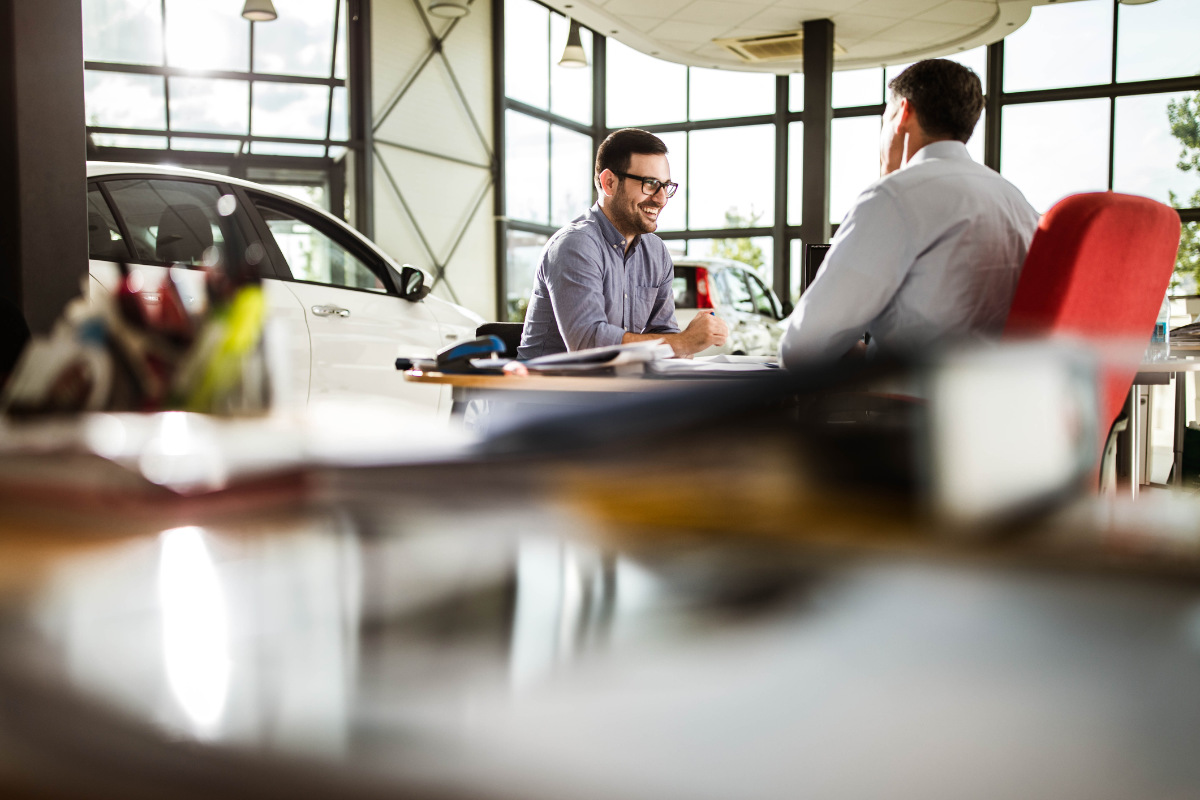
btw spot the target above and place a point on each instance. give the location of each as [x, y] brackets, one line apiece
[931, 252]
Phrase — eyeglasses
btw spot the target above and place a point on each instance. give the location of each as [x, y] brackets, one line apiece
[650, 186]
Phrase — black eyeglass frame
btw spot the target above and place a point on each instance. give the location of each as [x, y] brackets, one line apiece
[670, 187]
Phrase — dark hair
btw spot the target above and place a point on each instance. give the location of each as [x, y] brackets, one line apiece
[615, 151]
[946, 96]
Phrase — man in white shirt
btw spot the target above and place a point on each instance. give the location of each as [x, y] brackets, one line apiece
[930, 252]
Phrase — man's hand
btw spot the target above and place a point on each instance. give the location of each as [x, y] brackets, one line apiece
[705, 330]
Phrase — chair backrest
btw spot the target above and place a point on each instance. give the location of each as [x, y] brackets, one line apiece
[509, 333]
[1098, 268]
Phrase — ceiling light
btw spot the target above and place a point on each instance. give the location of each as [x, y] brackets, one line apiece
[449, 9]
[259, 10]
[573, 55]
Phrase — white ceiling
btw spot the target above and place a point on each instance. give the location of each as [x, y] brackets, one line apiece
[871, 32]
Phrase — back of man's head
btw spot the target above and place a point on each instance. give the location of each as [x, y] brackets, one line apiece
[946, 96]
[615, 151]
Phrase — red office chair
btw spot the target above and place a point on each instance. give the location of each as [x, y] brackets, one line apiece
[1098, 268]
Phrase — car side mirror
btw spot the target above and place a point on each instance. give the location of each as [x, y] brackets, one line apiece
[411, 283]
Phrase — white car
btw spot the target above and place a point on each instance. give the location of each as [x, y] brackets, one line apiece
[731, 289]
[343, 308]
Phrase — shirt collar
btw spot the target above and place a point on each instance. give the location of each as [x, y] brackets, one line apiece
[609, 231]
[951, 148]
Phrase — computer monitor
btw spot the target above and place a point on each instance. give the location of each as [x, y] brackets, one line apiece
[814, 254]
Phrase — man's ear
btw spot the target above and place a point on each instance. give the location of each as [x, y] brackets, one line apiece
[906, 118]
[608, 183]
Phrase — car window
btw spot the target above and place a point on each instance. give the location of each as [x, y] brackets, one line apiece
[315, 255]
[173, 222]
[683, 286]
[738, 294]
[105, 242]
[764, 303]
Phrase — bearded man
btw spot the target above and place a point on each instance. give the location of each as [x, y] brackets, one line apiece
[605, 278]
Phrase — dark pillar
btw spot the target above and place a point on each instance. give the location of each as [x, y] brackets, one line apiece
[43, 206]
[818, 120]
[361, 113]
[498, 145]
[781, 276]
[991, 125]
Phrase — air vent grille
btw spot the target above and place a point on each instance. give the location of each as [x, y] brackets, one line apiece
[787, 46]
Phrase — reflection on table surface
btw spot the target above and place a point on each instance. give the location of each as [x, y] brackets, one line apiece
[502, 649]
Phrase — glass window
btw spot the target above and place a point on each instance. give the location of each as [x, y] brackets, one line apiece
[206, 146]
[975, 58]
[104, 236]
[731, 177]
[570, 87]
[1147, 155]
[754, 251]
[205, 105]
[170, 221]
[339, 120]
[123, 31]
[857, 87]
[522, 252]
[314, 255]
[797, 277]
[1157, 40]
[527, 167]
[796, 92]
[128, 140]
[292, 110]
[340, 70]
[795, 172]
[287, 149]
[673, 216]
[854, 161]
[718, 94]
[211, 35]
[1064, 44]
[117, 100]
[299, 42]
[571, 169]
[527, 52]
[643, 90]
[1047, 168]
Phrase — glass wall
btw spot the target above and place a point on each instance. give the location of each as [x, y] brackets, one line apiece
[191, 83]
[1113, 105]
[549, 141]
[1093, 95]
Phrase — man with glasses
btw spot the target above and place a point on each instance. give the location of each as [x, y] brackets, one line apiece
[605, 278]
[930, 252]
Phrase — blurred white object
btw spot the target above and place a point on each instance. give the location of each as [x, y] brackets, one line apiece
[1011, 427]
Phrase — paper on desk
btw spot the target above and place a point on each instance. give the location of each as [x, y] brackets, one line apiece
[599, 358]
[712, 365]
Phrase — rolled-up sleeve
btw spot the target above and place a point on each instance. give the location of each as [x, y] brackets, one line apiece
[868, 261]
[575, 283]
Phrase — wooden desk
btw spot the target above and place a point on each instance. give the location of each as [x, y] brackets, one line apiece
[1183, 359]
[558, 389]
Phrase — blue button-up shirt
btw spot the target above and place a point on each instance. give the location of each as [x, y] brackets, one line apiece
[588, 291]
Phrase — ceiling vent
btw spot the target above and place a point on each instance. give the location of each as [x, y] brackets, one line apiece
[788, 46]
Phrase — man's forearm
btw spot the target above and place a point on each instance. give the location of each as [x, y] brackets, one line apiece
[682, 345]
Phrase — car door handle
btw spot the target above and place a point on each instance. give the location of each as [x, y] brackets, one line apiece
[329, 311]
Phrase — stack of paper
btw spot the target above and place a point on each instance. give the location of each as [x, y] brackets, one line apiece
[619, 359]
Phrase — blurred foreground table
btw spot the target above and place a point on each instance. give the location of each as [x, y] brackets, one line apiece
[550, 631]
